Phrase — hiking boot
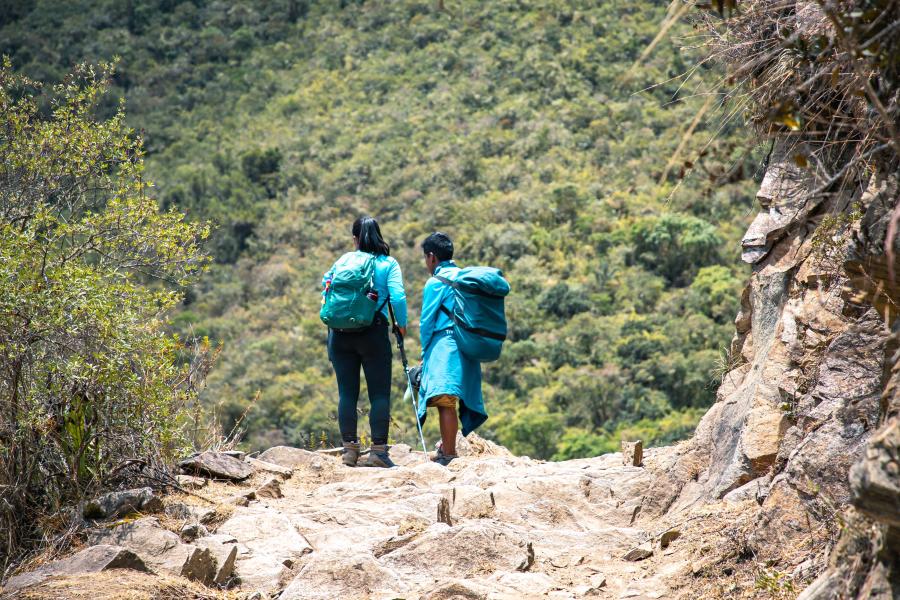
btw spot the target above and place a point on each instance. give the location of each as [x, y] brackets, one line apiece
[350, 454]
[439, 455]
[379, 457]
[443, 459]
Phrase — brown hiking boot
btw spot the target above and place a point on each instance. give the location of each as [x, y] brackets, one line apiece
[351, 453]
[379, 457]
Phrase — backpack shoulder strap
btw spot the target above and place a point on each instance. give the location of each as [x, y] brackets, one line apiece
[446, 281]
[469, 290]
[452, 284]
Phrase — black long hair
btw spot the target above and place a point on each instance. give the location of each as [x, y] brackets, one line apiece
[367, 231]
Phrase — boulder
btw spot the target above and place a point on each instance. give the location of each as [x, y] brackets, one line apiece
[216, 465]
[462, 551]
[189, 482]
[160, 549]
[764, 428]
[192, 531]
[639, 553]
[118, 504]
[292, 458]
[224, 551]
[267, 541]
[270, 489]
[90, 560]
[267, 467]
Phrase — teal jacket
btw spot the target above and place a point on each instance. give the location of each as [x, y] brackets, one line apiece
[388, 279]
[445, 369]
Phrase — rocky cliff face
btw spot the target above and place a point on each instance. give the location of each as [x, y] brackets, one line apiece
[865, 563]
[811, 358]
[805, 424]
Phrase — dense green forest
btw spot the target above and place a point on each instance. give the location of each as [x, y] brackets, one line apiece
[611, 187]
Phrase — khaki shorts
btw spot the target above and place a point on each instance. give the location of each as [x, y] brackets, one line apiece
[442, 401]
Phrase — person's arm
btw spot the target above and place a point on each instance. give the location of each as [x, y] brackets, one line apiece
[397, 293]
[432, 296]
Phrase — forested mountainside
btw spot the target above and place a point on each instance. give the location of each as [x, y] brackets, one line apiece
[553, 139]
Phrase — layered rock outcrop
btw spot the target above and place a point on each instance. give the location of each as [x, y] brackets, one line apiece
[806, 392]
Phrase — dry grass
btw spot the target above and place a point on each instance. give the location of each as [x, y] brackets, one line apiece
[121, 584]
[715, 540]
[478, 446]
[818, 72]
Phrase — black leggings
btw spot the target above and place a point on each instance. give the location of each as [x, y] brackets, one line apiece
[370, 349]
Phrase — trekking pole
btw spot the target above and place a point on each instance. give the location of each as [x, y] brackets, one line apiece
[409, 385]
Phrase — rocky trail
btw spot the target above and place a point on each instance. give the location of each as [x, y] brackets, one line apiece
[300, 526]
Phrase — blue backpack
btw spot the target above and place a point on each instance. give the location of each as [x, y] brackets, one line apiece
[479, 317]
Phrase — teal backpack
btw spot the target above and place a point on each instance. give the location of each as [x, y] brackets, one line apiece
[346, 304]
[479, 316]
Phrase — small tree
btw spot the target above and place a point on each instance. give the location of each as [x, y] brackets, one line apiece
[675, 246]
[89, 381]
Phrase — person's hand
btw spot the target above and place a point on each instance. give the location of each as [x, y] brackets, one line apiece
[402, 331]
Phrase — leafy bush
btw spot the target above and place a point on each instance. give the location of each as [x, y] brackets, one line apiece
[89, 382]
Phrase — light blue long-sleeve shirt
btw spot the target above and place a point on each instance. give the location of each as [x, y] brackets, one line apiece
[434, 295]
[388, 280]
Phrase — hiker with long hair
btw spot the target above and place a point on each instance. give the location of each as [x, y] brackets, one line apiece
[357, 290]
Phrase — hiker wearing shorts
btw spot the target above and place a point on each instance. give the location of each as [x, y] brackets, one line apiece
[451, 382]
[369, 348]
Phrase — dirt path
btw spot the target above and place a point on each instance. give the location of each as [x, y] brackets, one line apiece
[491, 526]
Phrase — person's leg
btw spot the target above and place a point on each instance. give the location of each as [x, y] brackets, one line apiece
[449, 424]
[346, 363]
[449, 427]
[376, 364]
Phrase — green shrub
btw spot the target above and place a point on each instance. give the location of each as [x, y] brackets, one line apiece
[675, 245]
[89, 380]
